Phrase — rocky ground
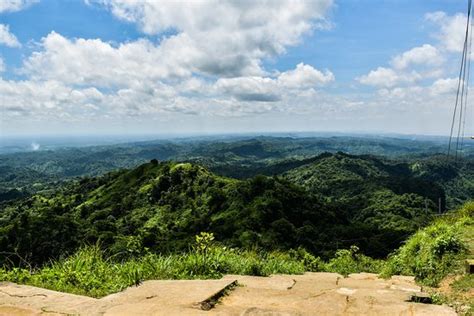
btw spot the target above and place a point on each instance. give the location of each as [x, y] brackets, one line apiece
[308, 294]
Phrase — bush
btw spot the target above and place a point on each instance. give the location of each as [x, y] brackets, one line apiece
[435, 251]
[310, 262]
[347, 261]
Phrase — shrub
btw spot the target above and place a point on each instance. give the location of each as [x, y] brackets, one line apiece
[433, 252]
[347, 261]
[310, 262]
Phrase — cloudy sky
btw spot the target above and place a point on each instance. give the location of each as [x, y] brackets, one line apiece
[123, 66]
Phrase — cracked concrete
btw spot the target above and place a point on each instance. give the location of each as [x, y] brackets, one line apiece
[308, 294]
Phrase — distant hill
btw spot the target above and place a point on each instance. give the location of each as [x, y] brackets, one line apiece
[333, 202]
[237, 157]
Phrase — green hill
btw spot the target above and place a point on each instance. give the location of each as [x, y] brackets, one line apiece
[334, 202]
[26, 173]
[162, 206]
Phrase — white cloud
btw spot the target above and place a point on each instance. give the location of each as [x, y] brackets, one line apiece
[400, 93]
[15, 5]
[207, 62]
[416, 64]
[250, 88]
[387, 77]
[226, 38]
[305, 76]
[7, 38]
[423, 55]
[45, 98]
[267, 89]
[451, 31]
[443, 86]
[94, 62]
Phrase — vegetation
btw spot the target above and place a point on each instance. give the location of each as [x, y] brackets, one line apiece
[430, 254]
[437, 250]
[328, 212]
[435, 256]
[90, 272]
[25, 173]
[334, 202]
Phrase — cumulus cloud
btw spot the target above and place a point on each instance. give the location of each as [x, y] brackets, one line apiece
[44, 98]
[423, 55]
[444, 85]
[15, 5]
[205, 65]
[7, 38]
[230, 46]
[413, 65]
[92, 61]
[387, 77]
[305, 76]
[268, 89]
[250, 88]
[451, 31]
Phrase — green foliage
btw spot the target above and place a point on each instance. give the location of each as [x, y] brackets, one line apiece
[237, 157]
[321, 203]
[464, 284]
[310, 262]
[346, 200]
[381, 199]
[435, 251]
[347, 261]
[179, 201]
[90, 272]
[204, 242]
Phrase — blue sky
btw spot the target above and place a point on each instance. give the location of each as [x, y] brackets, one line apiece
[110, 67]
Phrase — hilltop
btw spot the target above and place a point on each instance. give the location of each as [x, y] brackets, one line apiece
[25, 173]
[333, 201]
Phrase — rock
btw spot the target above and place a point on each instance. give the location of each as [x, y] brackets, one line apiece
[310, 294]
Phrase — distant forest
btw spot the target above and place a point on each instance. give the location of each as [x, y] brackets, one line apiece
[321, 194]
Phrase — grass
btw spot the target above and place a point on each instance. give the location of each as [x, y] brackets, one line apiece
[436, 256]
[437, 250]
[430, 255]
[464, 284]
[90, 272]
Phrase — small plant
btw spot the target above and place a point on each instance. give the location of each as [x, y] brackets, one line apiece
[204, 242]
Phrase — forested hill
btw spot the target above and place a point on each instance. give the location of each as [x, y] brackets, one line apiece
[25, 173]
[334, 201]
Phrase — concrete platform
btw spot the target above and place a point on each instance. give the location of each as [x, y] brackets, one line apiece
[308, 294]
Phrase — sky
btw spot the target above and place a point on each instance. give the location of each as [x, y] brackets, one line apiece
[73, 67]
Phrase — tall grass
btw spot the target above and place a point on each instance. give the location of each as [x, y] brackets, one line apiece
[437, 250]
[89, 272]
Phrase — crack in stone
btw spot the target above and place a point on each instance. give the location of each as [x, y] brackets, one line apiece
[23, 296]
[44, 310]
[291, 286]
